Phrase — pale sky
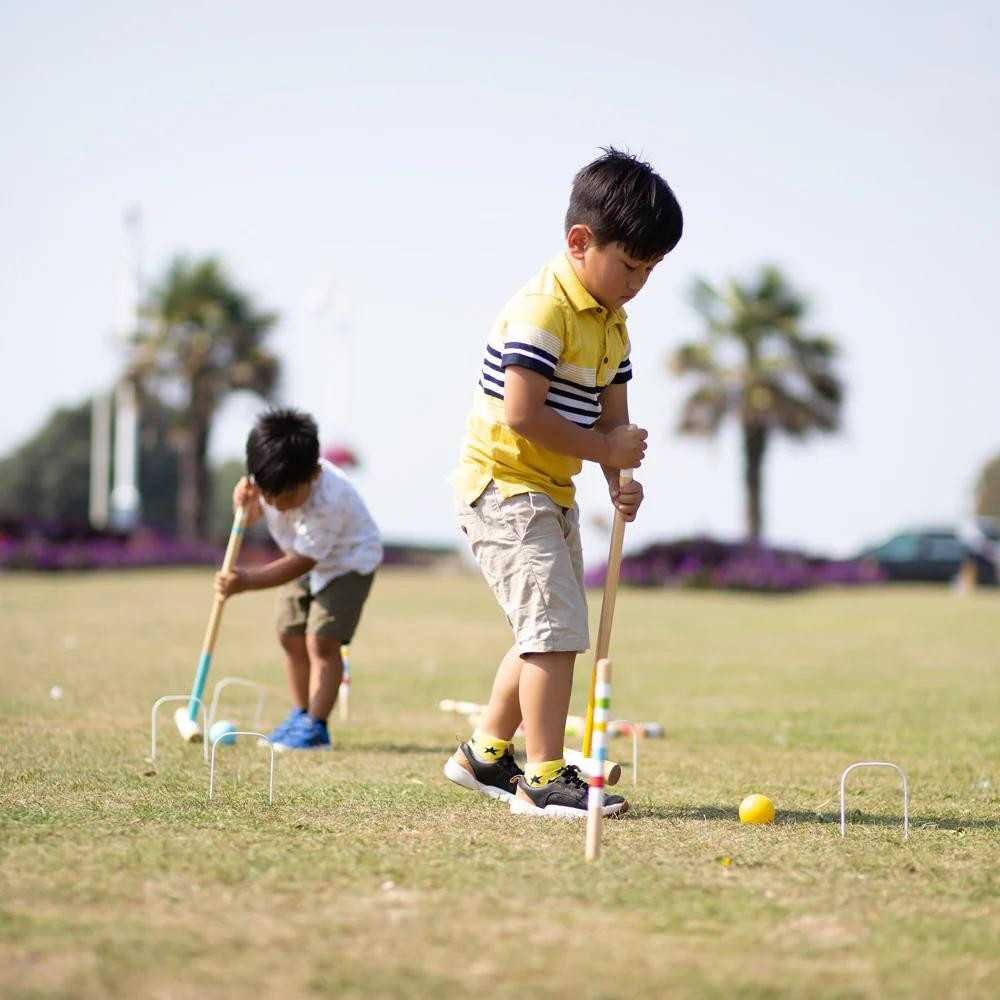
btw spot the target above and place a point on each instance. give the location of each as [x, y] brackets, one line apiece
[412, 163]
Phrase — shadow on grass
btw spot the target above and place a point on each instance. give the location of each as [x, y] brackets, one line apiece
[405, 748]
[789, 816]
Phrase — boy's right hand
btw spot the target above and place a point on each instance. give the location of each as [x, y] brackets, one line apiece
[626, 447]
[246, 495]
[233, 582]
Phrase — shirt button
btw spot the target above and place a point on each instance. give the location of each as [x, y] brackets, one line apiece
[605, 360]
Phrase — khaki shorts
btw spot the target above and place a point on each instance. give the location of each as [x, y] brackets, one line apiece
[528, 548]
[334, 611]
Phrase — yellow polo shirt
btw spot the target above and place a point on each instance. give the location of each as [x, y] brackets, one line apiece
[554, 326]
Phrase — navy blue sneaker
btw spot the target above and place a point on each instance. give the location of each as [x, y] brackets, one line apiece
[306, 733]
[281, 730]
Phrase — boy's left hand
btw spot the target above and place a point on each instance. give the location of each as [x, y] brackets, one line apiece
[233, 582]
[627, 498]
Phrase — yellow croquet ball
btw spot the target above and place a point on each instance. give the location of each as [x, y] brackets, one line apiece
[756, 809]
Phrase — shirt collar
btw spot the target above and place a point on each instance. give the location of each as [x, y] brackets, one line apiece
[580, 299]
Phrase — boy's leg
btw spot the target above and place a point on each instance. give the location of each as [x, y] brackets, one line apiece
[485, 763]
[503, 713]
[534, 687]
[546, 683]
[529, 551]
[293, 610]
[332, 618]
[296, 667]
[325, 670]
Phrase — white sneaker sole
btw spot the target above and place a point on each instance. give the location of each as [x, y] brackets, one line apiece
[454, 771]
[520, 807]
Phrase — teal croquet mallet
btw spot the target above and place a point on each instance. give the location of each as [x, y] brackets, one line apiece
[186, 719]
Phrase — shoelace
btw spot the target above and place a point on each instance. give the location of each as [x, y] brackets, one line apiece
[570, 774]
[510, 767]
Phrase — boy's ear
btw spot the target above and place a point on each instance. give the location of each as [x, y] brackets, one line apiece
[578, 239]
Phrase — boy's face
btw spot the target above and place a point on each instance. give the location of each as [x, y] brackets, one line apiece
[293, 497]
[607, 272]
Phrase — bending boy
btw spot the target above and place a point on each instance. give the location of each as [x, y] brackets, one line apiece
[331, 549]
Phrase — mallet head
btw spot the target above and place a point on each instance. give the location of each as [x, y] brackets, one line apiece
[189, 729]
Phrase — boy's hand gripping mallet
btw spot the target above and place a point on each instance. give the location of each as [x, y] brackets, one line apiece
[607, 617]
[186, 719]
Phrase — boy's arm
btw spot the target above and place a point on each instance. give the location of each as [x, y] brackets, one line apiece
[619, 447]
[274, 574]
[247, 495]
[614, 413]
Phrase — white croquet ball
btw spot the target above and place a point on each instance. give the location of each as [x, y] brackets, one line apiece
[55, 693]
[222, 732]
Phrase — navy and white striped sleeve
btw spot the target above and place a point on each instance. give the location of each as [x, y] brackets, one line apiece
[624, 373]
[533, 338]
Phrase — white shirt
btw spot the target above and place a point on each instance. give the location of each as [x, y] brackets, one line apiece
[333, 527]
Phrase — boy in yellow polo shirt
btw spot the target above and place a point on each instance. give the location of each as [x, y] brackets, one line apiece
[552, 394]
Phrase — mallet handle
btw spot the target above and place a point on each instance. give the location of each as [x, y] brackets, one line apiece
[215, 618]
[595, 795]
[607, 610]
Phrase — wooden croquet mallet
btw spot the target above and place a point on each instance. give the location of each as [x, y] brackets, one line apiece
[186, 719]
[595, 795]
[607, 611]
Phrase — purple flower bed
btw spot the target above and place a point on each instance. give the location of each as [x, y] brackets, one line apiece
[50, 547]
[104, 553]
[705, 562]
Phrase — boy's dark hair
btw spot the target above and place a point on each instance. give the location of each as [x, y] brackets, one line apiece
[623, 200]
[282, 450]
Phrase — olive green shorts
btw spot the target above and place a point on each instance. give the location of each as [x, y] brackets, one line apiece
[335, 611]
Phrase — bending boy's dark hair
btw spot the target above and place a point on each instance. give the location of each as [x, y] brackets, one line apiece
[623, 200]
[282, 450]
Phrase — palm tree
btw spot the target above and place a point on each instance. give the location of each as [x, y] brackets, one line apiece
[202, 338]
[757, 364]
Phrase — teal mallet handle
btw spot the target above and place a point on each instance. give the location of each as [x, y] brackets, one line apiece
[187, 719]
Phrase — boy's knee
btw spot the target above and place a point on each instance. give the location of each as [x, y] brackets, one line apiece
[551, 660]
[292, 642]
[323, 647]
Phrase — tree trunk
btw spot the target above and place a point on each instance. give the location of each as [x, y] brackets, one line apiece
[194, 486]
[754, 446]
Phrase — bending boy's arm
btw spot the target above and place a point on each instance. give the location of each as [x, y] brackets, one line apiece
[620, 447]
[274, 574]
[247, 496]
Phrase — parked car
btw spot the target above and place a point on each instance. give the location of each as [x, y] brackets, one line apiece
[937, 554]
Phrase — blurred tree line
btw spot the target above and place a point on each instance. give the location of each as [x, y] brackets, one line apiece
[200, 337]
[47, 478]
[756, 363]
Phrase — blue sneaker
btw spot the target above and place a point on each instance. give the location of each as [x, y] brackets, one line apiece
[280, 731]
[306, 733]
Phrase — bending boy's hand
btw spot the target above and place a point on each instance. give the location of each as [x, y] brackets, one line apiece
[233, 582]
[627, 498]
[246, 495]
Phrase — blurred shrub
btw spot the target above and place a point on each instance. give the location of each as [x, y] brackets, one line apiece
[51, 546]
[709, 563]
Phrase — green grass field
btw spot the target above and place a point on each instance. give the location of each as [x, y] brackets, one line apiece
[373, 876]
